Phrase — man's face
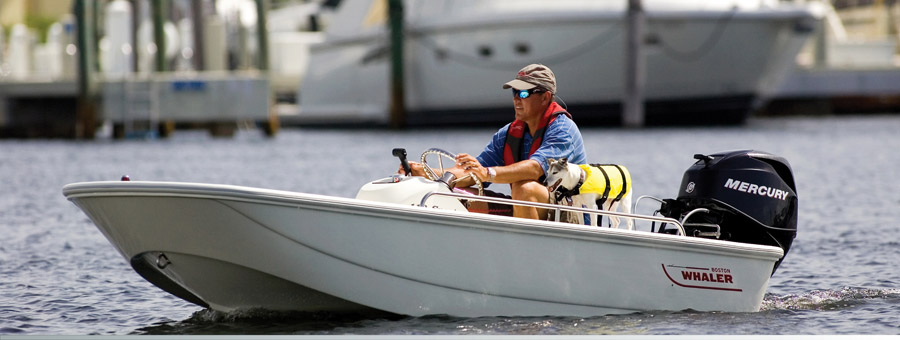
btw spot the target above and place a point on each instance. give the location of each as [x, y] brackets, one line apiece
[529, 108]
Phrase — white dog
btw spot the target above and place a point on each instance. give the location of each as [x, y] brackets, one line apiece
[605, 185]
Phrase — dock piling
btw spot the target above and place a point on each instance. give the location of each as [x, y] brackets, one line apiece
[633, 103]
[395, 25]
[86, 111]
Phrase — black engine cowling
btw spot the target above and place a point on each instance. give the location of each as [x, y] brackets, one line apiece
[751, 197]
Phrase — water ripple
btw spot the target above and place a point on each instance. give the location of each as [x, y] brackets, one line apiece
[828, 299]
[59, 275]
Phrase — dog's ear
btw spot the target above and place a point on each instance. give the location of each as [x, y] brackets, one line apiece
[564, 160]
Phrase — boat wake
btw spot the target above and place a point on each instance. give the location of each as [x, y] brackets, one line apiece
[828, 299]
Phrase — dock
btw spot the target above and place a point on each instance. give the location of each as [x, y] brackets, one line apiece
[830, 90]
[163, 65]
[146, 106]
[220, 75]
[38, 109]
[140, 106]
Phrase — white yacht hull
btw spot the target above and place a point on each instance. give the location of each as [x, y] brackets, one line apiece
[715, 64]
[229, 247]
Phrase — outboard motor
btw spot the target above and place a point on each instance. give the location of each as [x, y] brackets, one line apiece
[750, 196]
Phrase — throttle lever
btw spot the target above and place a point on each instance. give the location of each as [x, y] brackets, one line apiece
[401, 153]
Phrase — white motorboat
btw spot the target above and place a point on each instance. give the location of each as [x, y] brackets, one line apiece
[407, 245]
[706, 62]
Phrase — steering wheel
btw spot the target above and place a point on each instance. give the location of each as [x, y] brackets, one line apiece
[429, 172]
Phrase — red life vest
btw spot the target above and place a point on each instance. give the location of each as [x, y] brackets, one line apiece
[512, 152]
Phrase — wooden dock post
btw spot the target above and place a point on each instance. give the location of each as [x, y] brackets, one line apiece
[398, 101]
[271, 125]
[262, 34]
[158, 10]
[86, 110]
[633, 103]
[197, 16]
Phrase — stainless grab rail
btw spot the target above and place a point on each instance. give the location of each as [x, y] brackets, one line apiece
[556, 208]
[692, 212]
[638, 200]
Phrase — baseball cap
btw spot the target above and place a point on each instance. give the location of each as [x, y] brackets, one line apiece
[531, 76]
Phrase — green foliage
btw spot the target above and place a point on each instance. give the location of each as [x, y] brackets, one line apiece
[41, 24]
[5, 37]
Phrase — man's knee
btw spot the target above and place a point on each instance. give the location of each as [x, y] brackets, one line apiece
[530, 191]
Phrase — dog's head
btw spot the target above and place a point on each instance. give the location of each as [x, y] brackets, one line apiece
[560, 174]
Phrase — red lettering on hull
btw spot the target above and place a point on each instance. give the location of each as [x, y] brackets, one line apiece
[700, 275]
[697, 276]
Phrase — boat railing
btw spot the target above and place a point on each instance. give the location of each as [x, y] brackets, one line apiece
[638, 200]
[718, 229]
[555, 207]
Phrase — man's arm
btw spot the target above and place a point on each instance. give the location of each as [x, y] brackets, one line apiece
[528, 169]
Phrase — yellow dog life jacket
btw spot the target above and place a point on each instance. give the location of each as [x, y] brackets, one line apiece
[597, 176]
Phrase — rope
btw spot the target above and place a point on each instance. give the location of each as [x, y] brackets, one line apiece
[563, 56]
[504, 65]
[494, 211]
[704, 48]
[490, 211]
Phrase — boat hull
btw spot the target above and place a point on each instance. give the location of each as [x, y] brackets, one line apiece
[702, 67]
[233, 248]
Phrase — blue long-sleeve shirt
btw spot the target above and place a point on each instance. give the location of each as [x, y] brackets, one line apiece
[562, 139]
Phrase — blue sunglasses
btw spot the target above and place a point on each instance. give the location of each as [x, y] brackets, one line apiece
[525, 93]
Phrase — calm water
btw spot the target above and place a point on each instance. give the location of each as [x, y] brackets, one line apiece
[58, 275]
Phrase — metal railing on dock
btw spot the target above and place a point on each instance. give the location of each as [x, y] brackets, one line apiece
[215, 100]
